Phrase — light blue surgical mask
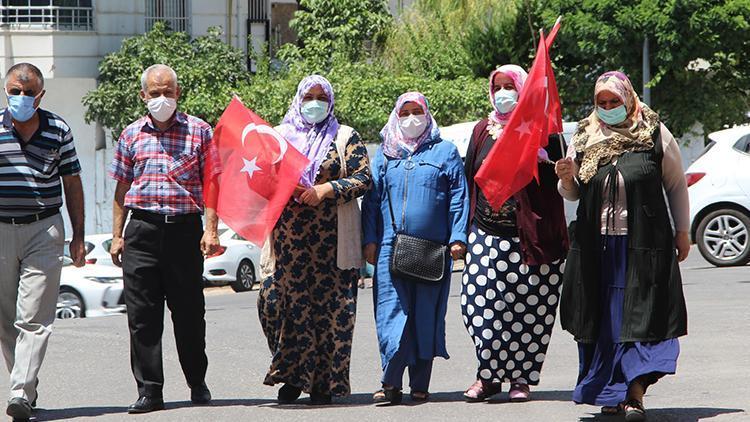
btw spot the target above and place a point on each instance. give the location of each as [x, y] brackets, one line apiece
[613, 116]
[21, 107]
[314, 111]
[506, 100]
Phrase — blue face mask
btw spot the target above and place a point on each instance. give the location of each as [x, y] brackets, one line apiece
[506, 100]
[613, 116]
[314, 111]
[21, 107]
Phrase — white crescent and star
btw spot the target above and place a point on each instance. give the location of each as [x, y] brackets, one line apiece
[250, 167]
[283, 145]
[524, 128]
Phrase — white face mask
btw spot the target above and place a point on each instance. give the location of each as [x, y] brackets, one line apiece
[161, 108]
[412, 125]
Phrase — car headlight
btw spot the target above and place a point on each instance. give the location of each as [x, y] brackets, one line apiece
[105, 280]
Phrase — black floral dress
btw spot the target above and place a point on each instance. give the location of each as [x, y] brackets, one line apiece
[308, 306]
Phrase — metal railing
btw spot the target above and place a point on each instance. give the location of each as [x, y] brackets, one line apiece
[70, 15]
[174, 12]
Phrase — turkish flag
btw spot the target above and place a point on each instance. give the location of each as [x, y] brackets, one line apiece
[512, 162]
[259, 171]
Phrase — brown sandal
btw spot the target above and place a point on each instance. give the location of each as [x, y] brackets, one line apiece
[612, 410]
[481, 391]
[420, 396]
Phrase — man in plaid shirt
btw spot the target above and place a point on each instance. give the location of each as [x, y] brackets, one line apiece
[159, 166]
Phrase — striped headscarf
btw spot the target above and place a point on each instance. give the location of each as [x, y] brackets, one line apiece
[395, 144]
[312, 140]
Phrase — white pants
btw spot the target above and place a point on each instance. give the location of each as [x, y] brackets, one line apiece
[30, 264]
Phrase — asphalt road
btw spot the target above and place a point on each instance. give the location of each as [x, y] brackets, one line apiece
[87, 374]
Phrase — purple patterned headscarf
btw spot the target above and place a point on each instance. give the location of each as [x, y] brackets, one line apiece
[312, 140]
[395, 144]
[518, 76]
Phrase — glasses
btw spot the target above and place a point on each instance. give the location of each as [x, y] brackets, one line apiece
[16, 91]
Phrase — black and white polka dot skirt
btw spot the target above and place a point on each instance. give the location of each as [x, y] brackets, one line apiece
[508, 308]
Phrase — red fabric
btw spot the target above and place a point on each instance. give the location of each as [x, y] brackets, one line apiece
[512, 162]
[256, 180]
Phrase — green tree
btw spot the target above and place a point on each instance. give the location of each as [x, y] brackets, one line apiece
[445, 39]
[350, 28]
[208, 69]
[700, 56]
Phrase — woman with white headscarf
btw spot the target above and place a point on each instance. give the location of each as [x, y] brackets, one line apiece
[307, 305]
[511, 281]
[419, 190]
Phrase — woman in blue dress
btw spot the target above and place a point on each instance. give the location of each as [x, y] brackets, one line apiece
[425, 178]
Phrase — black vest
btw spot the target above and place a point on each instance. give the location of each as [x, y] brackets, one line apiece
[654, 306]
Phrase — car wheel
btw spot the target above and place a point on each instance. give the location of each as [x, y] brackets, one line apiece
[69, 304]
[245, 277]
[723, 238]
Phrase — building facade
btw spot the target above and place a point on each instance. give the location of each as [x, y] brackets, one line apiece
[66, 39]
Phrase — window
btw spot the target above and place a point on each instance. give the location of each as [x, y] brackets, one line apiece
[743, 144]
[64, 15]
[173, 12]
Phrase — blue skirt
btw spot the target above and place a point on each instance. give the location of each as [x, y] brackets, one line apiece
[607, 367]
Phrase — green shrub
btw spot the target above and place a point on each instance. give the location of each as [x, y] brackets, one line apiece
[366, 93]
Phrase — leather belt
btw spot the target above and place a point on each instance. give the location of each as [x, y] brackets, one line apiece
[28, 219]
[154, 218]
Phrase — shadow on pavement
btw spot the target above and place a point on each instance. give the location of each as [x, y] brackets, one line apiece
[78, 412]
[536, 395]
[688, 414]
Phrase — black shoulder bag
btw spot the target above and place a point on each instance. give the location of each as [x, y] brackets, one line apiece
[412, 257]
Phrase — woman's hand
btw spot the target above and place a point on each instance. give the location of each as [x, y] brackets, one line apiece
[298, 191]
[458, 250]
[566, 170]
[682, 243]
[316, 194]
[369, 252]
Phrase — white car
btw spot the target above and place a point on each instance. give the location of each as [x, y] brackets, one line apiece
[97, 249]
[719, 188]
[91, 291]
[236, 263]
[460, 135]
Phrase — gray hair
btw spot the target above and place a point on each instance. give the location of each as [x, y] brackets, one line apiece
[24, 72]
[157, 67]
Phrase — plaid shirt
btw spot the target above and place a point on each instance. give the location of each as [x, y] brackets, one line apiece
[165, 169]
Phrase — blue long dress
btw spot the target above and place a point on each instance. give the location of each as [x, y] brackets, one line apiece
[410, 317]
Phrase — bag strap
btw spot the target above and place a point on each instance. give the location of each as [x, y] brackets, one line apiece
[342, 139]
[388, 194]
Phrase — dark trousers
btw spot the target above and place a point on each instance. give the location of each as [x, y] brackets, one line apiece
[163, 261]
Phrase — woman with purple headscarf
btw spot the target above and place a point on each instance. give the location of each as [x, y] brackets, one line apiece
[511, 281]
[423, 177]
[622, 297]
[308, 303]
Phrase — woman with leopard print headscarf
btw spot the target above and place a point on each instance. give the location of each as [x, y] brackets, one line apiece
[622, 291]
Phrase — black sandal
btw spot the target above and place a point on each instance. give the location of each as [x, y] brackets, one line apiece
[288, 394]
[393, 395]
[634, 411]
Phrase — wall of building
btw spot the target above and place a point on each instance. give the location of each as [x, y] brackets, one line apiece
[69, 61]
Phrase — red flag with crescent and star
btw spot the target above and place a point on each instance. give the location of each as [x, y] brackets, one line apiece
[259, 171]
[512, 163]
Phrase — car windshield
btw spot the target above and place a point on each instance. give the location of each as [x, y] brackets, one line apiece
[66, 248]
